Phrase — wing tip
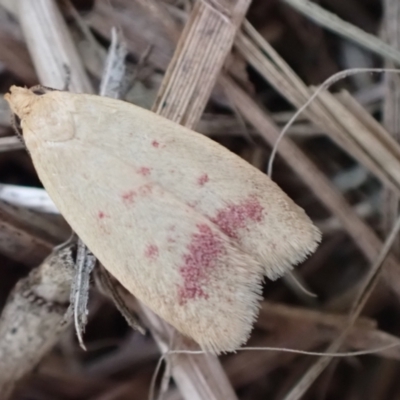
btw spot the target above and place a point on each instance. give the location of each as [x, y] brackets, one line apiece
[298, 248]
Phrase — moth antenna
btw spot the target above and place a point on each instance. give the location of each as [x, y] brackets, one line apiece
[85, 262]
[41, 90]
[137, 71]
[324, 86]
[67, 82]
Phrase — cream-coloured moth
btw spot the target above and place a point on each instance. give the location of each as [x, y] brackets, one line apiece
[186, 226]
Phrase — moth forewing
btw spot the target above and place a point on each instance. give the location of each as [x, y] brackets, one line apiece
[185, 225]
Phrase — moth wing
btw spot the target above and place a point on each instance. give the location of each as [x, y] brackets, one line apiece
[236, 197]
[126, 180]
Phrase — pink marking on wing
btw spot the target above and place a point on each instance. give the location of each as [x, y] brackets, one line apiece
[129, 196]
[203, 252]
[145, 171]
[155, 143]
[151, 251]
[236, 216]
[203, 179]
[103, 226]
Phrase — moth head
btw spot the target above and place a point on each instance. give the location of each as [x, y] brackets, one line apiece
[42, 113]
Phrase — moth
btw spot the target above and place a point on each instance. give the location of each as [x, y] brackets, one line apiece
[186, 226]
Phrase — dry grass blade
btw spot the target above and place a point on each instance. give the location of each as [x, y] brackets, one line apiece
[13, 51]
[375, 128]
[363, 335]
[365, 291]
[26, 236]
[158, 11]
[301, 328]
[134, 20]
[325, 327]
[361, 233]
[5, 115]
[52, 50]
[206, 40]
[385, 155]
[51, 46]
[198, 377]
[10, 143]
[280, 75]
[34, 318]
[335, 24]
[391, 118]
[286, 81]
[32, 198]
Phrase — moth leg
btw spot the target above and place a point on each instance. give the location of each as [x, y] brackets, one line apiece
[113, 290]
[84, 264]
[16, 125]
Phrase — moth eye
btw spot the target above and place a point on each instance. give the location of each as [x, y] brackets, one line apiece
[41, 90]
